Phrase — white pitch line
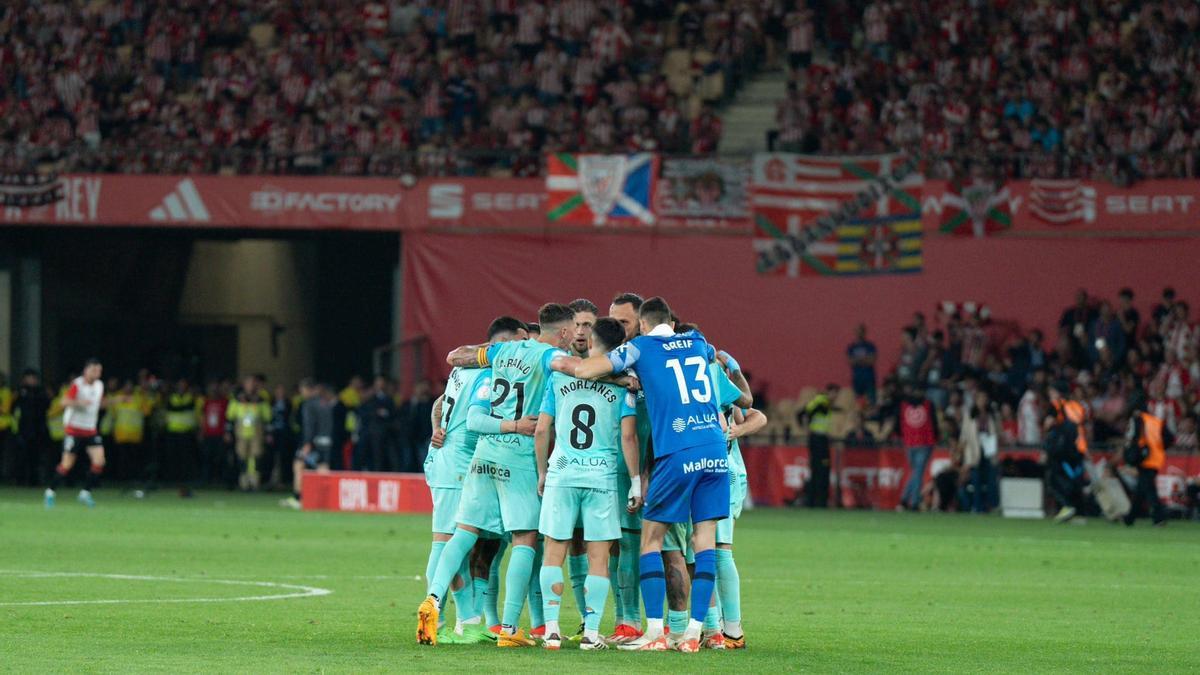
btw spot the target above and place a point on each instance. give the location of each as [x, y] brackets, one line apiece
[299, 591]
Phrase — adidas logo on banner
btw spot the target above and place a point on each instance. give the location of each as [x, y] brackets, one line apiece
[183, 204]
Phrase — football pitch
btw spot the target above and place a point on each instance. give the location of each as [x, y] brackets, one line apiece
[232, 583]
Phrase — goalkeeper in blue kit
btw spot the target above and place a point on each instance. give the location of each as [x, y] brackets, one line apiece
[690, 479]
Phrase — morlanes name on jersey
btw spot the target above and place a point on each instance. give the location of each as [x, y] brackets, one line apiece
[589, 385]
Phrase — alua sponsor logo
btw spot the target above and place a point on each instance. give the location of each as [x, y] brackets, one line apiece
[707, 465]
[694, 422]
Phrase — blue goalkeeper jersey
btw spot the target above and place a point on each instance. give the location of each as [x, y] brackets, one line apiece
[680, 394]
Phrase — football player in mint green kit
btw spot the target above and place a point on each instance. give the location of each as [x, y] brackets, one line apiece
[593, 429]
[739, 422]
[446, 465]
[500, 490]
[623, 562]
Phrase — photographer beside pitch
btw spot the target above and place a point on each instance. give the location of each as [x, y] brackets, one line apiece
[690, 480]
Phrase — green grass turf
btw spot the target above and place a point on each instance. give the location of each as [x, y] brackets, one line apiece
[822, 592]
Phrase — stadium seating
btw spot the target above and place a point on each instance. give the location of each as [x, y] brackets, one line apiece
[1045, 90]
[327, 86]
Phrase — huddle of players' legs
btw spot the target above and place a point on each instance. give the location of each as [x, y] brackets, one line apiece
[610, 444]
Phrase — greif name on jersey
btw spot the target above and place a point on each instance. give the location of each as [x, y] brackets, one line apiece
[707, 465]
[515, 364]
[676, 344]
[679, 424]
[589, 385]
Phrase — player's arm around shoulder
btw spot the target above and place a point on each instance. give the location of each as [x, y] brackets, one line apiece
[751, 422]
[620, 359]
[471, 356]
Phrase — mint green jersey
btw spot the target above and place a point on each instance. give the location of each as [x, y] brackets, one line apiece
[587, 431]
[727, 394]
[446, 466]
[519, 371]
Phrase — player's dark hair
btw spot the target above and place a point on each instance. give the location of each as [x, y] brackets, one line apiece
[655, 311]
[534, 328]
[629, 299]
[685, 327]
[583, 305]
[609, 333]
[553, 313]
[92, 362]
[504, 324]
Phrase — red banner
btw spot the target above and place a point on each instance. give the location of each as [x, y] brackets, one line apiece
[273, 202]
[366, 492]
[875, 478]
[1066, 207]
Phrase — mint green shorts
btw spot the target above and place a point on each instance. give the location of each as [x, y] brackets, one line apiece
[679, 538]
[563, 507]
[629, 521]
[498, 499]
[445, 509]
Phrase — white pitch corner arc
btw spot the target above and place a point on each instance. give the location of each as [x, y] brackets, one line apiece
[290, 591]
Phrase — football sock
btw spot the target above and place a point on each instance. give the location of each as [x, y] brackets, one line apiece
[677, 619]
[455, 550]
[712, 619]
[552, 599]
[435, 554]
[536, 614]
[618, 607]
[516, 584]
[56, 478]
[578, 565]
[481, 596]
[729, 588]
[464, 598]
[627, 578]
[654, 586]
[93, 477]
[595, 594]
[492, 598]
[702, 582]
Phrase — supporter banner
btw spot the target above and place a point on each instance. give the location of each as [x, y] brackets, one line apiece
[601, 189]
[366, 492]
[1058, 207]
[808, 212]
[875, 478]
[703, 193]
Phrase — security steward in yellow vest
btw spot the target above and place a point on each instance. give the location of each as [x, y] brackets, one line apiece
[6, 423]
[246, 421]
[819, 416]
[127, 410]
[182, 424]
[1146, 442]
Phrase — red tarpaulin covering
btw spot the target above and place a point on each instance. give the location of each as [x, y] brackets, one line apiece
[791, 332]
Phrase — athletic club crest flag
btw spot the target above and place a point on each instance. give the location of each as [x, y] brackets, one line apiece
[601, 189]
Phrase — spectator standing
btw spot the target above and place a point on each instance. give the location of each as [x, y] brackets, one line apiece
[31, 442]
[980, 441]
[377, 427]
[415, 426]
[862, 354]
[1129, 316]
[917, 422]
[283, 445]
[216, 465]
[818, 414]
